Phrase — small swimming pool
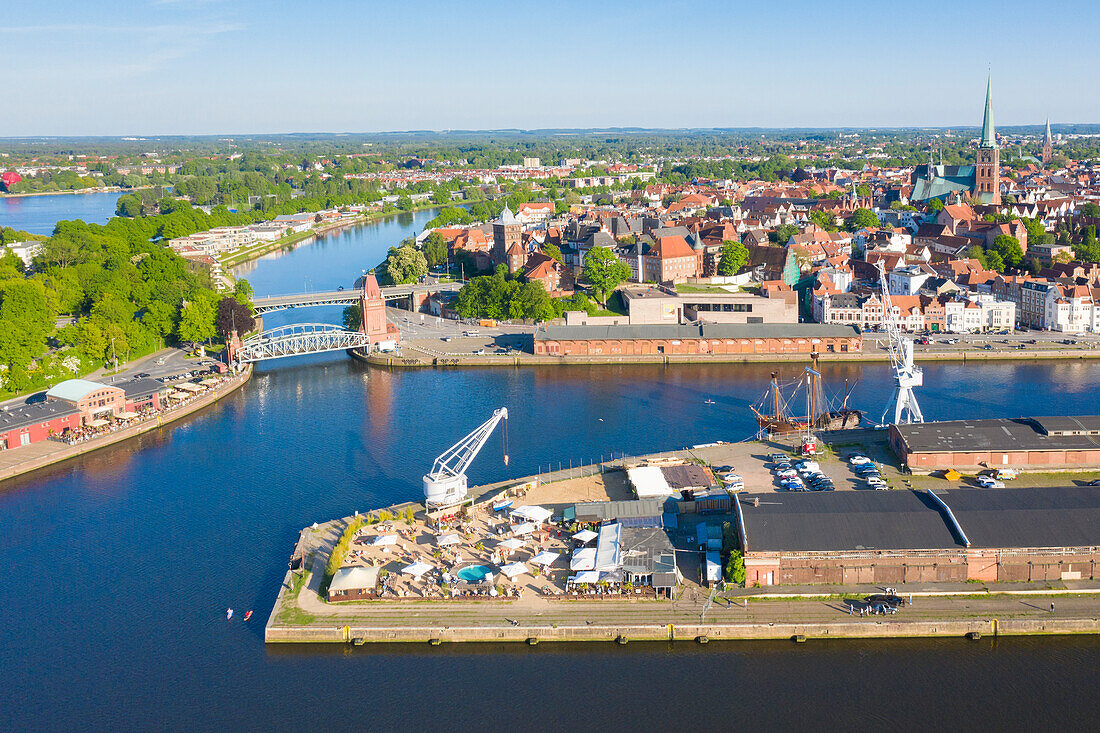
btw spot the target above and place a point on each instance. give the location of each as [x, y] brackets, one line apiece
[473, 573]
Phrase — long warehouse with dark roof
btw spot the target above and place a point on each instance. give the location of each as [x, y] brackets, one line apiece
[1035, 443]
[906, 536]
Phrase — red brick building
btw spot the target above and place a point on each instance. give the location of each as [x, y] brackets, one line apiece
[1036, 444]
[701, 339]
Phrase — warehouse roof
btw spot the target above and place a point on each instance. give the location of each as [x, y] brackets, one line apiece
[603, 511]
[846, 520]
[142, 387]
[1019, 434]
[1028, 517]
[20, 416]
[1069, 425]
[74, 389]
[695, 331]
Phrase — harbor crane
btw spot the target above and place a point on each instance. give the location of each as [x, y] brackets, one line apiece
[907, 375]
[445, 485]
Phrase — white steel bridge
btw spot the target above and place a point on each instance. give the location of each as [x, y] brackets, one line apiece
[296, 339]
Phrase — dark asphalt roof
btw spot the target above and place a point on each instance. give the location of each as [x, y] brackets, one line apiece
[602, 511]
[845, 520]
[642, 548]
[141, 387]
[19, 416]
[701, 331]
[1068, 424]
[1028, 517]
[1019, 434]
[688, 476]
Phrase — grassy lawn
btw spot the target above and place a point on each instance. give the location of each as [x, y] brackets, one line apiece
[289, 613]
[682, 288]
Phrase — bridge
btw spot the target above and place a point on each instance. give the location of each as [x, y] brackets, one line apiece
[274, 303]
[297, 339]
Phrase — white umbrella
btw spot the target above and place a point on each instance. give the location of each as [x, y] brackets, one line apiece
[588, 576]
[416, 569]
[545, 558]
[585, 535]
[512, 544]
[514, 569]
[385, 539]
[525, 528]
[583, 559]
[448, 539]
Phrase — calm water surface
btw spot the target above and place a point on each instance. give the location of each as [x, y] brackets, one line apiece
[119, 566]
[38, 214]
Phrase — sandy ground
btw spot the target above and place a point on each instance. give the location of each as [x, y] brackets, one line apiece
[611, 486]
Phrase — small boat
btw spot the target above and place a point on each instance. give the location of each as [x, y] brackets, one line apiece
[247, 615]
[228, 613]
[708, 402]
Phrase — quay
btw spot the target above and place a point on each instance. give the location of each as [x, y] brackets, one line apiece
[25, 459]
[1053, 596]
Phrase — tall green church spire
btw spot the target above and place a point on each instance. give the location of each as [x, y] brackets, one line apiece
[989, 136]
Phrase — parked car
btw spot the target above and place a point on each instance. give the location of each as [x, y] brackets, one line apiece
[777, 457]
[988, 482]
[735, 486]
[1094, 482]
[866, 470]
[883, 608]
[875, 481]
[857, 460]
[731, 477]
[787, 474]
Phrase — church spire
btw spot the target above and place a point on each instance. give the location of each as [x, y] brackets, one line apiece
[1047, 138]
[989, 135]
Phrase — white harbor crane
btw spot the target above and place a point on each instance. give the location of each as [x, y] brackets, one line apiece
[446, 484]
[907, 375]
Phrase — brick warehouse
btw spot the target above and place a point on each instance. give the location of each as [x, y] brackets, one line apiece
[1037, 443]
[893, 537]
[700, 339]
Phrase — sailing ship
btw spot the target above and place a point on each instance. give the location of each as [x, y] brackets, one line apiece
[781, 421]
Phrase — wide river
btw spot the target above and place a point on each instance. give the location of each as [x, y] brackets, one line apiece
[38, 214]
[120, 565]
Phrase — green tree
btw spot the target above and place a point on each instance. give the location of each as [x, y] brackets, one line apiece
[604, 271]
[553, 252]
[823, 219]
[1035, 229]
[862, 219]
[405, 264]
[994, 261]
[243, 292]
[435, 249]
[1090, 209]
[732, 258]
[1009, 249]
[197, 318]
[735, 568]
[352, 318]
[1088, 249]
[783, 233]
[935, 206]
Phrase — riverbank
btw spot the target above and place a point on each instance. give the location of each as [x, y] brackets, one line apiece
[412, 357]
[100, 189]
[233, 259]
[25, 459]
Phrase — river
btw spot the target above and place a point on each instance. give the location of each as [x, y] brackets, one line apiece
[38, 214]
[120, 565]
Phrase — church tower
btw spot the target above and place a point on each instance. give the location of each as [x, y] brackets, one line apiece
[1048, 145]
[987, 173]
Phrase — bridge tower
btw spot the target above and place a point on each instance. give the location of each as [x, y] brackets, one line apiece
[373, 306]
[232, 346]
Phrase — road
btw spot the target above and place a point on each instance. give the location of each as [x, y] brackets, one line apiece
[1015, 341]
[445, 336]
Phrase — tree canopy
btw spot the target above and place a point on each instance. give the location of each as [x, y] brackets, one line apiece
[732, 257]
[604, 271]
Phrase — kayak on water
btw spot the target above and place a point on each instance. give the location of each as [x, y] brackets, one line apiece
[247, 615]
[228, 613]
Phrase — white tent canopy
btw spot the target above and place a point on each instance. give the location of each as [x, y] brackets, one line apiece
[583, 559]
[385, 539]
[448, 539]
[585, 535]
[588, 576]
[649, 482]
[511, 544]
[545, 558]
[514, 569]
[525, 528]
[536, 514]
[416, 569]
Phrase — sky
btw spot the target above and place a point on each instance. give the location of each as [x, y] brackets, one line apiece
[156, 67]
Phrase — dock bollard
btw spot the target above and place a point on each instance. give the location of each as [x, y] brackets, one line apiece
[973, 635]
[799, 638]
[620, 639]
[702, 639]
[435, 641]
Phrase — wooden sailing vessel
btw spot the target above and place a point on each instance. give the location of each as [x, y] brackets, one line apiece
[780, 421]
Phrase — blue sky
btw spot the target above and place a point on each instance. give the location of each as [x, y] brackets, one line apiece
[111, 67]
